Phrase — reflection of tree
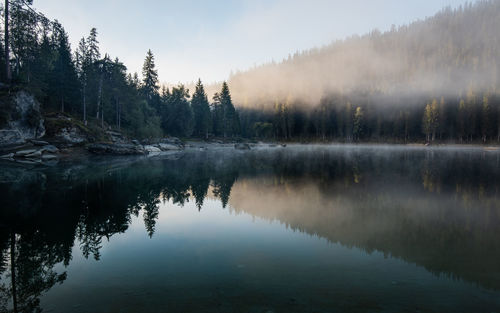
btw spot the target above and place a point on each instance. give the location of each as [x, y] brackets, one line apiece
[222, 188]
[150, 215]
[30, 272]
[199, 190]
[90, 241]
[95, 202]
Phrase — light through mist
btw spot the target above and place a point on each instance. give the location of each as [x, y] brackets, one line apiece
[249, 156]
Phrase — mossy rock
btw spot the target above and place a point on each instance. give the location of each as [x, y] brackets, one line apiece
[55, 122]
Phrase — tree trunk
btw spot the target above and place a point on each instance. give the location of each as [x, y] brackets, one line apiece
[13, 269]
[102, 116]
[118, 113]
[99, 95]
[84, 104]
[7, 58]
[120, 117]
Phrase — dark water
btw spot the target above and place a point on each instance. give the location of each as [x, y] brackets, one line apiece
[296, 229]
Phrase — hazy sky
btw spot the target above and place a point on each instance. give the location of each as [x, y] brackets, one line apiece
[208, 39]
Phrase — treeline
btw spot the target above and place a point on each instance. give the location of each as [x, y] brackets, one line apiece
[435, 79]
[469, 118]
[97, 89]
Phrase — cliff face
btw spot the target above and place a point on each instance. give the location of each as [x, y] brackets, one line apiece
[25, 121]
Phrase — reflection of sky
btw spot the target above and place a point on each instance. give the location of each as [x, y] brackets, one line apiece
[214, 256]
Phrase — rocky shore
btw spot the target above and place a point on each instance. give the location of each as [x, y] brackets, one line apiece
[29, 137]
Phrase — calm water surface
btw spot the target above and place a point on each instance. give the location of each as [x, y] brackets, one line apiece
[296, 229]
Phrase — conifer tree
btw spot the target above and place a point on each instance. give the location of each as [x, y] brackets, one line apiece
[93, 46]
[65, 79]
[230, 119]
[486, 119]
[201, 111]
[358, 123]
[149, 77]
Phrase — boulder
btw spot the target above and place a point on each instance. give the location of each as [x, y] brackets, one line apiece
[116, 137]
[242, 146]
[39, 143]
[47, 157]
[151, 149]
[168, 147]
[23, 153]
[35, 155]
[29, 162]
[172, 140]
[71, 135]
[50, 149]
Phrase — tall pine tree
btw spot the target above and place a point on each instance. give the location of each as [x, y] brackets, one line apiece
[149, 77]
[201, 111]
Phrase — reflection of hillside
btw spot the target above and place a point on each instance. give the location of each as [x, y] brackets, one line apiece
[414, 205]
[442, 232]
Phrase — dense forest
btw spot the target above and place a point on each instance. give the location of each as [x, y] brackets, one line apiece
[433, 80]
[97, 88]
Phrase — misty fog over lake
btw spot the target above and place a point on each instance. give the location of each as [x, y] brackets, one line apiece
[295, 229]
[249, 156]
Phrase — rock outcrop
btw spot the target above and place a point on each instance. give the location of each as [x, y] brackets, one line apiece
[25, 123]
[71, 135]
[33, 155]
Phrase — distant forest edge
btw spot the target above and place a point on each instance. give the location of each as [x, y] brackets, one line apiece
[433, 80]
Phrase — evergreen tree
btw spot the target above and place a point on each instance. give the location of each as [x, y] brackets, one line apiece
[431, 120]
[358, 123]
[486, 120]
[65, 78]
[179, 119]
[217, 115]
[93, 53]
[83, 63]
[230, 119]
[149, 77]
[201, 111]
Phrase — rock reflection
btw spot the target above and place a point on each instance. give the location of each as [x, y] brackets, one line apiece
[436, 209]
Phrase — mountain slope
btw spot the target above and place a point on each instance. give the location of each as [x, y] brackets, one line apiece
[444, 55]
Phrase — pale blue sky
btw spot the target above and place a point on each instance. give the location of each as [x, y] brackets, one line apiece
[208, 39]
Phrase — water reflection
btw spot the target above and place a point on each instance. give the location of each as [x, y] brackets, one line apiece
[435, 208]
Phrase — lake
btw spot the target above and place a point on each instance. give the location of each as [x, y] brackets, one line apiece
[297, 229]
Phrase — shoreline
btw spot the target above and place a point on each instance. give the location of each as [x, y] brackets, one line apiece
[83, 153]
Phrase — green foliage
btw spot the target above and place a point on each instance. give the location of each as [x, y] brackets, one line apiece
[85, 84]
[358, 123]
[201, 111]
[263, 130]
[150, 77]
[177, 114]
[431, 120]
[226, 122]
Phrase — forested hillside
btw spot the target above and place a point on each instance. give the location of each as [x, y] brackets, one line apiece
[437, 78]
[96, 88]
